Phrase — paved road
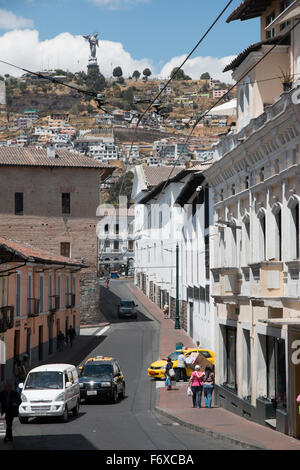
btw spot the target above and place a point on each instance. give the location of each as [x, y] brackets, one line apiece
[131, 423]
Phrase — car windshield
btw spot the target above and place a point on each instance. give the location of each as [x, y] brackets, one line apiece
[174, 355]
[96, 370]
[44, 380]
[127, 303]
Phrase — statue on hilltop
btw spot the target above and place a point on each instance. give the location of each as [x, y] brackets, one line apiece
[93, 40]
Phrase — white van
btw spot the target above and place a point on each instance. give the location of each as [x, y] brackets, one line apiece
[50, 390]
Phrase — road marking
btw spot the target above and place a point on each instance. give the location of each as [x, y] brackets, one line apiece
[101, 332]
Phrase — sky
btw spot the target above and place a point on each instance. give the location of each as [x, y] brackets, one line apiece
[134, 34]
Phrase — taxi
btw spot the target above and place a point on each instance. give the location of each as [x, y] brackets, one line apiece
[157, 368]
[101, 378]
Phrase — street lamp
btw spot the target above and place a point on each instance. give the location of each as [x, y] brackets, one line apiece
[177, 321]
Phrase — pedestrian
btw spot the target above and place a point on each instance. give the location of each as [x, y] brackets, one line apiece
[107, 283]
[25, 363]
[196, 384]
[208, 386]
[71, 334]
[166, 311]
[9, 401]
[198, 344]
[60, 341]
[169, 373]
[181, 370]
[18, 373]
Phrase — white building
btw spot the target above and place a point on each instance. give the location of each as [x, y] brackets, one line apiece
[256, 269]
[116, 240]
[176, 210]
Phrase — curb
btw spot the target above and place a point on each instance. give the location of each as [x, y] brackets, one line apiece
[208, 432]
[94, 325]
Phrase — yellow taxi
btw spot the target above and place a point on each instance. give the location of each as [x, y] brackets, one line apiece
[157, 368]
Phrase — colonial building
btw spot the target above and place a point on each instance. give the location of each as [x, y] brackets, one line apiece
[49, 199]
[176, 212]
[257, 201]
[116, 242]
[39, 296]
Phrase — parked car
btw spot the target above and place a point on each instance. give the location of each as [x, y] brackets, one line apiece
[127, 308]
[50, 390]
[101, 378]
[157, 368]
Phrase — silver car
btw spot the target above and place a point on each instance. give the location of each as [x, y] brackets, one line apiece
[127, 308]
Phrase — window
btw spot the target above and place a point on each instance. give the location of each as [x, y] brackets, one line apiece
[74, 288]
[106, 228]
[276, 372]
[262, 237]
[19, 203]
[117, 229]
[262, 174]
[246, 182]
[29, 292]
[58, 289]
[66, 203]
[160, 219]
[107, 243]
[116, 245]
[130, 245]
[270, 18]
[41, 293]
[246, 248]
[65, 249]
[278, 235]
[50, 291]
[230, 351]
[18, 294]
[206, 241]
[206, 207]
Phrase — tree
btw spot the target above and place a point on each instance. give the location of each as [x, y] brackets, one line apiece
[180, 75]
[117, 72]
[95, 81]
[205, 76]
[147, 72]
[136, 74]
[125, 183]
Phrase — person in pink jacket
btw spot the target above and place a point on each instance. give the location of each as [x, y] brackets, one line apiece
[196, 384]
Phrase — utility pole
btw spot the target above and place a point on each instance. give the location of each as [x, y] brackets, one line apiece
[177, 322]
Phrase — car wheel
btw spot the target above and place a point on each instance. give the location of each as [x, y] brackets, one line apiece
[23, 420]
[65, 416]
[75, 410]
[122, 393]
[114, 397]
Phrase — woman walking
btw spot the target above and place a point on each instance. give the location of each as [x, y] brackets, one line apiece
[208, 386]
[169, 374]
[196, 384]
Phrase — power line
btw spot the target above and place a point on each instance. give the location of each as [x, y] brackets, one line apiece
[282, 38]
[172, 77]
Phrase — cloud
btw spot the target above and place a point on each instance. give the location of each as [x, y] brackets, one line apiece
[117, 4]
[9, 20]
[65, 51]
[198, 65]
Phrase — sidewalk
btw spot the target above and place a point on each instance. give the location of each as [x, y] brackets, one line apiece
[215, 422]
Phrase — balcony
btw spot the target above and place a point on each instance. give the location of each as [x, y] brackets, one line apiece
[54, 303]
[33, 307]
[70, 300]
[6, 318]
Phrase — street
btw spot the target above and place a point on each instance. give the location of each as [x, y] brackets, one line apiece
[131, 423]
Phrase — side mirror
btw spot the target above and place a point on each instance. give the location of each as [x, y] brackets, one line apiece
[21, 385]
[68, 384]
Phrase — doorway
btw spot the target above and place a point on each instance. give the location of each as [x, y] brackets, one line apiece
[191, 310]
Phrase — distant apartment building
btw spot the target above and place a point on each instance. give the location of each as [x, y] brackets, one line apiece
[102, 148]
[50, 201]
[170, 149]
[216, 93]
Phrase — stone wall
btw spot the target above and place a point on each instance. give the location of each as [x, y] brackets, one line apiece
[90, 299]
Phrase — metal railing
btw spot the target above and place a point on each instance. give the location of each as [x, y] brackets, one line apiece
[54, 303]
[33, 307]
[6, 318]
[70, 300]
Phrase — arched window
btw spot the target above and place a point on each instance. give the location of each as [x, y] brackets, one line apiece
[106, 228]
[293, 205]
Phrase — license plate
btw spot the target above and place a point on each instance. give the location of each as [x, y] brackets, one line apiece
[91, 392]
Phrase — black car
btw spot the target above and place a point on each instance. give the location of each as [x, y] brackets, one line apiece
[127, 308]
[101, 378]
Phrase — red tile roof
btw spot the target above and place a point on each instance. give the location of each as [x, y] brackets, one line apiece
[31, 156]
[33, 254]
[249, 9]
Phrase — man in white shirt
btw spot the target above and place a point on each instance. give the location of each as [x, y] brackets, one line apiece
[181, 371]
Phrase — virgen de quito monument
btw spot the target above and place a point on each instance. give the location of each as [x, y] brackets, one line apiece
[93, 41]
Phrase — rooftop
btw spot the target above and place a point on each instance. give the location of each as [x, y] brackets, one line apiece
[31, 156]
[249, 9]
[13, 250]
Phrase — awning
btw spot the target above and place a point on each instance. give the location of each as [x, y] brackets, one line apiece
[282, 321]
